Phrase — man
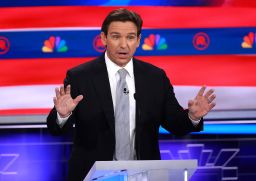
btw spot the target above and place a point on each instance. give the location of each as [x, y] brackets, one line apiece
[118, 102]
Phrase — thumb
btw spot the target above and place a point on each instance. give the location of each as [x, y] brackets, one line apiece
[78, 99]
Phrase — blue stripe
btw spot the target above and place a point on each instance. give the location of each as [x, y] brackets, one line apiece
[210, 41]
[15, 3]
[223, 129]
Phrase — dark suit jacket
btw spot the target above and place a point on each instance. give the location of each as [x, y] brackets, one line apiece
[94, 137]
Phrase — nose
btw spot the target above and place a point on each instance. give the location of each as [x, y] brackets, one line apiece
[123, 43]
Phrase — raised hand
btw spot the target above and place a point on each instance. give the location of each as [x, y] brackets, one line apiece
[63, 101]
[201, 104]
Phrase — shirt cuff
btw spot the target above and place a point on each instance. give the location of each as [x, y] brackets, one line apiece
[61, 121]
[194, 122]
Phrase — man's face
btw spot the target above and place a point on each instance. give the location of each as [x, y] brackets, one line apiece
[121, 41]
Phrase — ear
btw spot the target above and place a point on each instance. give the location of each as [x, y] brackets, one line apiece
[103, 38]
[138, 41]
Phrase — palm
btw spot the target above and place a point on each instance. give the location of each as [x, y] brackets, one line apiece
[63, 101]
[201, 104]
[65, 105]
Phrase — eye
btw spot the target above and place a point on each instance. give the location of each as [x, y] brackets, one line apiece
[115, 37]
[131, 37]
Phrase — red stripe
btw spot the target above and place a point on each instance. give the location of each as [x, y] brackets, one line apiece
[17, 112]
[222, 70]
[209, 70]
[36, 71]
[154, 17]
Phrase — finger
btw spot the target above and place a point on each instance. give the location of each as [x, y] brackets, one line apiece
[201, 91]
[68, 89]
[211, 98]
[212, 105]
[78, 99]
[209, 93]
[57, 92]
[62, 92]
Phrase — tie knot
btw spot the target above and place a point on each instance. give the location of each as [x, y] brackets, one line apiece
[122, 72]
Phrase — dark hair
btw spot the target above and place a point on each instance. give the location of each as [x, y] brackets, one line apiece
[122, 15]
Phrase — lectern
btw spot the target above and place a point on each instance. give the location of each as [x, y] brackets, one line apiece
[142, 170]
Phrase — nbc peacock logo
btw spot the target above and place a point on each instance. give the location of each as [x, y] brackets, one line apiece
[54, 44]
[154, 42]
[249, 40]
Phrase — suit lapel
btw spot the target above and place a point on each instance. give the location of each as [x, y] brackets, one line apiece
[139, 78]
[102, 87]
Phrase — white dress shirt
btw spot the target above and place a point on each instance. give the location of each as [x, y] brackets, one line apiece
[114, 77]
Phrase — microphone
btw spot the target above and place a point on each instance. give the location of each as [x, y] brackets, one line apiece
[126, 91]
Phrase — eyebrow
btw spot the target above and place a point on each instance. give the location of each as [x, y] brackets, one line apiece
[120, 33]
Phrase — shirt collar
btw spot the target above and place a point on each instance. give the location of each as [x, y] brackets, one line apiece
[112, 68]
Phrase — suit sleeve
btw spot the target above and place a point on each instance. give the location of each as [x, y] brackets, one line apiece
[175, 118]
[51, 120]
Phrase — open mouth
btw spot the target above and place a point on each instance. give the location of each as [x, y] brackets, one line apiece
[122, 54]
